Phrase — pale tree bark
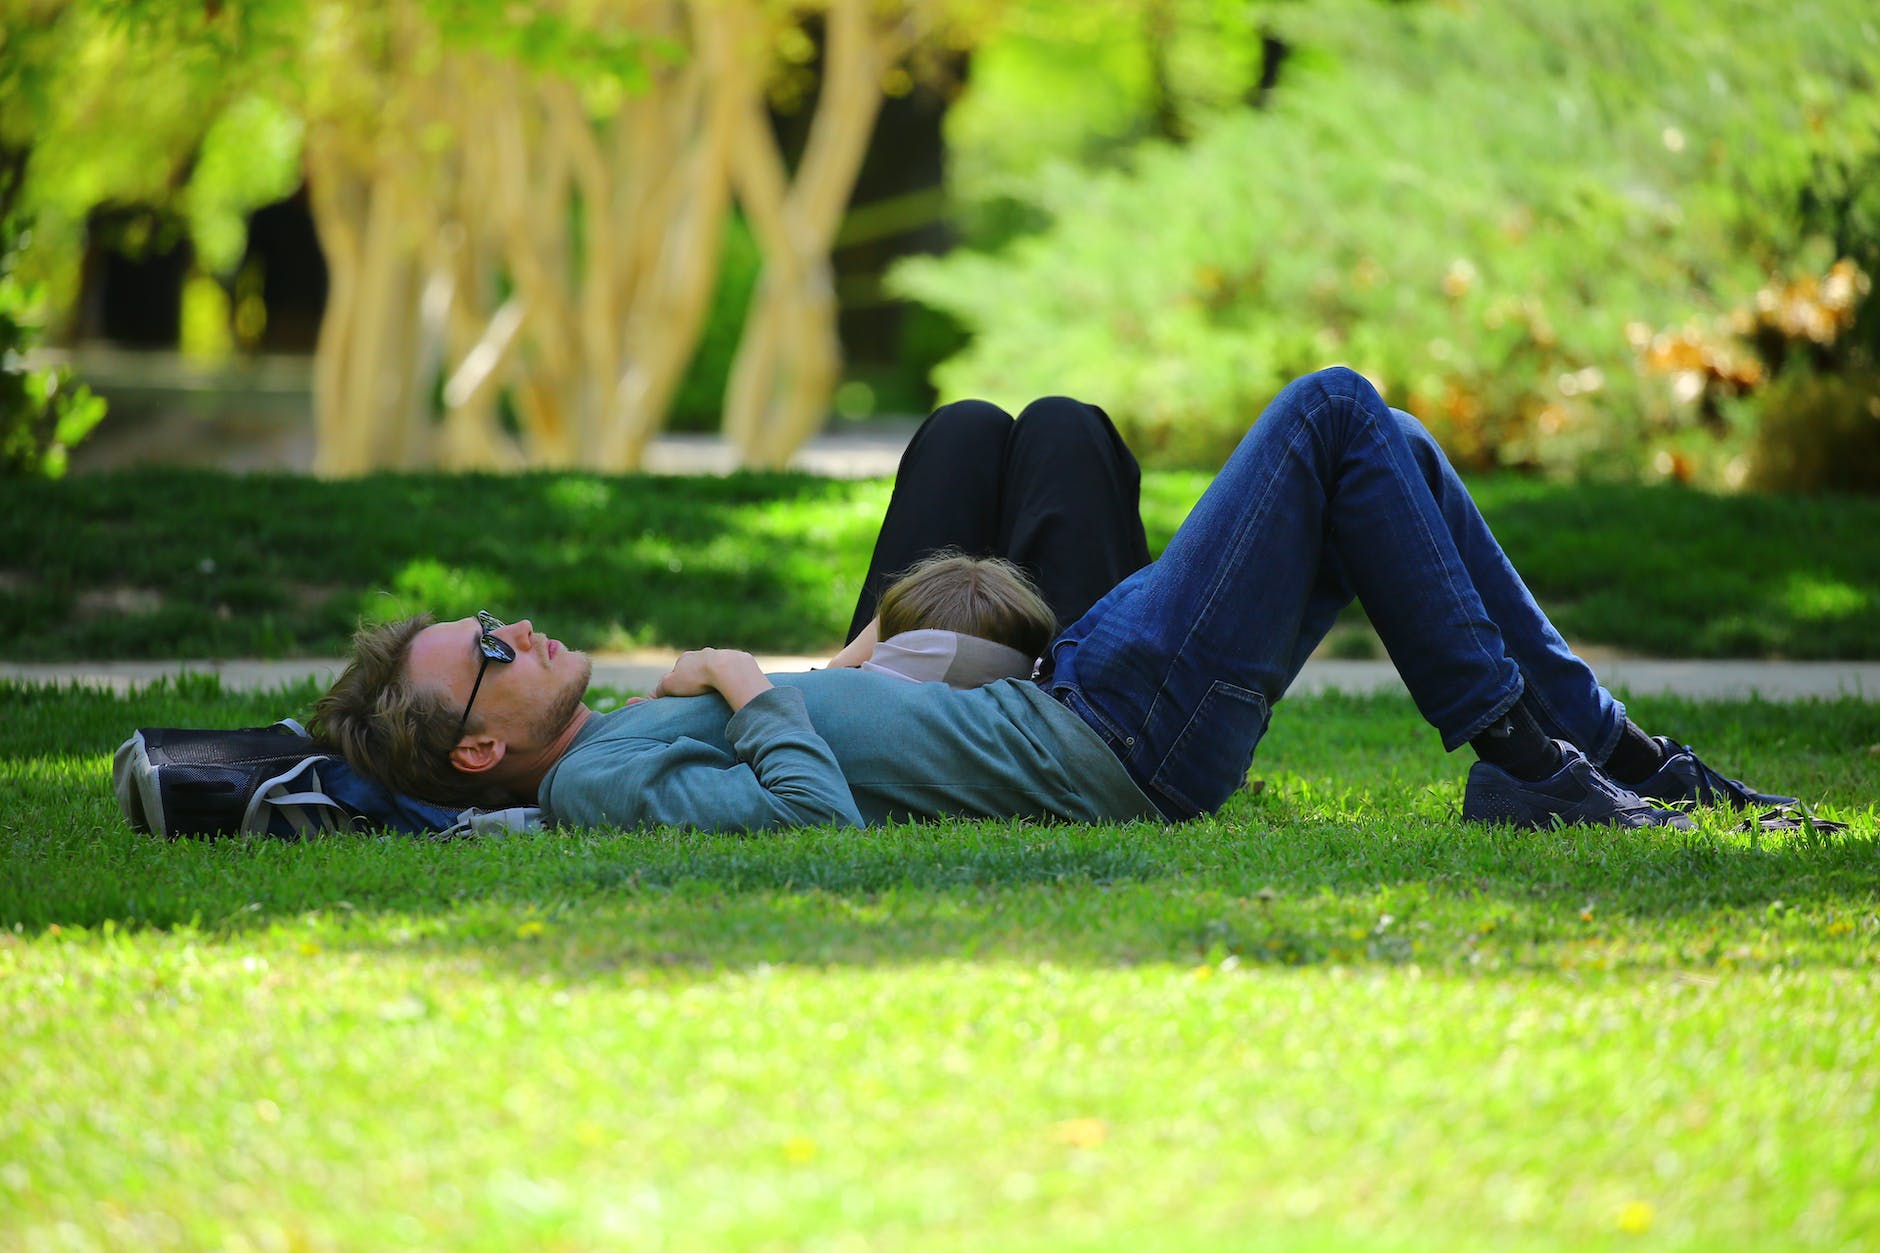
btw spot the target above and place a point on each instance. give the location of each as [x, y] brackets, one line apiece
[566, 262]
[364, 390]
[790, 358]
[369, 206]
[597, 335]
[675, 257]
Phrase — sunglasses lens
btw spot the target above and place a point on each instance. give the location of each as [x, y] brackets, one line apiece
[492, 648]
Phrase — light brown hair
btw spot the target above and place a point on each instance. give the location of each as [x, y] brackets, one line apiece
[393, 730]
[988, 597]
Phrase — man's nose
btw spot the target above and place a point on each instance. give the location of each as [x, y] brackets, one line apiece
[519, 634]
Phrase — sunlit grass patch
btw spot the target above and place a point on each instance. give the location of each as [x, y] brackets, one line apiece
[1331, 1016]
[1813, 598]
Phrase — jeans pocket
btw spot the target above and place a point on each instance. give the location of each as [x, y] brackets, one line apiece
[1209, 759]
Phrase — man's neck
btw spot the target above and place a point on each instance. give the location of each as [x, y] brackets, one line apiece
[523, 772]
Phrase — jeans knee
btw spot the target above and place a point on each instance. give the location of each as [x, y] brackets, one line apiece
[1351, 402]
[1344, 383]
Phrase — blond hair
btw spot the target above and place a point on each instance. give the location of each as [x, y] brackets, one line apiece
[390, 728]
[987, 597]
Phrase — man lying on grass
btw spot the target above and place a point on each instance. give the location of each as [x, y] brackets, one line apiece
[1148, 706]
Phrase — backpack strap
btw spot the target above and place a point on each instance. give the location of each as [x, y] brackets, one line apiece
[494, 822]
[306, 811]
[134, 781]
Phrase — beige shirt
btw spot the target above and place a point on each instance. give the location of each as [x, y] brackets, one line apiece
[959, 661]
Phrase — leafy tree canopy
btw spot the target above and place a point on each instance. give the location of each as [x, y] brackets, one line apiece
[1478, 205]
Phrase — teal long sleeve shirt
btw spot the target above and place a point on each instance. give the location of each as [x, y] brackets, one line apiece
[841, 748]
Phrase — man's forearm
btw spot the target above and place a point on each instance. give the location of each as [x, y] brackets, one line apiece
[730, 672]
[737, 677]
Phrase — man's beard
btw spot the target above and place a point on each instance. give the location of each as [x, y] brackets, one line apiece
[568, 700]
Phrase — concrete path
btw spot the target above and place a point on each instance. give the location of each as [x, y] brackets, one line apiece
[637, 671]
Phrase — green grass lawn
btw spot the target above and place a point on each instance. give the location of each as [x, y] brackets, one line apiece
[1332, 1016]
[197, 564]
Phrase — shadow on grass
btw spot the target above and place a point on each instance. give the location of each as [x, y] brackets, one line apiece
[1474, 901]
[1355, 828]
[166, 562]
[1261, 887]
[163, 563]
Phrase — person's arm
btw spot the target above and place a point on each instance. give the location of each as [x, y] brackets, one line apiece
[859, 649]
[780, 771]
[732, 674]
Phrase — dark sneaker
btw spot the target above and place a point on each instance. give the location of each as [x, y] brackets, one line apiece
[1685, 780]
[1577, 793]
[1684, 777]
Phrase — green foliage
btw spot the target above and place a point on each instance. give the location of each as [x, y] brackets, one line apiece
[43, 413]
[1083, 82]
[107, 111]
[249, 156]
[195, 564]
[201, 108]
[1331, 1017]
[1469, 203]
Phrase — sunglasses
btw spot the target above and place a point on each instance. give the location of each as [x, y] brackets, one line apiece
[491, 649]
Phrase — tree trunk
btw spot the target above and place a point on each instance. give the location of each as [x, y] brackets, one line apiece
[464, 265]
[790, 356]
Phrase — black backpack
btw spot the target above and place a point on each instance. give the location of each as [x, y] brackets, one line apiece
[273, 780]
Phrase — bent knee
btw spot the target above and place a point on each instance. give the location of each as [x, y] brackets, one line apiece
[1060, 411]
[1350, 398]
[1067, 427]
[964, 424]
[1342, 380]
[967, 414]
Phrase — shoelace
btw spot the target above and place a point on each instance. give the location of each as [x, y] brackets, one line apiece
[1711, 785]
[1597, 780]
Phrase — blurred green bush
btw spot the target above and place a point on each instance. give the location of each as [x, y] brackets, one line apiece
[43, 413]
[1485, 208]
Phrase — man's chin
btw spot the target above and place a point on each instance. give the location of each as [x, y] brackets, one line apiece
[568, 700]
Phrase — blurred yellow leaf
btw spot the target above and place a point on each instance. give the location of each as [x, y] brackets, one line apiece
[1636, 1217]
[1082, 1133]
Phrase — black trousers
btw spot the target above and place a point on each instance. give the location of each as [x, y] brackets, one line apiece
[1055, 490]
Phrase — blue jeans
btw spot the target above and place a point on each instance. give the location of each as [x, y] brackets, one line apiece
[1331, 494]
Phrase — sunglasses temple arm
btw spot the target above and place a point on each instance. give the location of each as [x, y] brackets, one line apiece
[465, 720]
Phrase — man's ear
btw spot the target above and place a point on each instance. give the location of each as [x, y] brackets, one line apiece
[476, 753]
